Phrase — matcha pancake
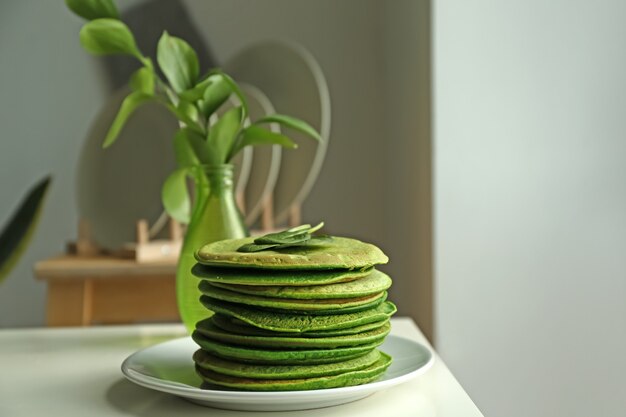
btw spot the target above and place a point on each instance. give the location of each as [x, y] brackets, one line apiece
[213, 363]
[296, 323]
[340, 253]
[236, 326]
[373, 283]
[260, 277]
[349, 378]
[324, 306]
[282, 357]
[210, 330]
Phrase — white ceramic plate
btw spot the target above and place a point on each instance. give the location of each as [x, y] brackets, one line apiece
[168, 367]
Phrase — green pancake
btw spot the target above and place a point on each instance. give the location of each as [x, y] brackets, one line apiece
[296, 306]
[233, 325]
[214, 363]
[350, 378]
[213, 332]
[340, 253]
[373, 283]
[294, 323]
[281, 357]
[260, 277]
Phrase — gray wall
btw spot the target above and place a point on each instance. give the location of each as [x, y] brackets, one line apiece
[350, 55]
[530, 203]
[407, 140]
[52, 91]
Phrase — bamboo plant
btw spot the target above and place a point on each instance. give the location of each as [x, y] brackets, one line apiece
[204, 138]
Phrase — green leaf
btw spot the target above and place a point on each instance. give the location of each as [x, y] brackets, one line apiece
[190, 148]
[282, 240]
[178, 61]
[19, 230]
[235, 89]
[301, 228]
[253, 247]
[129, 105]
[196, 92]
[142, 81]
[296, 236]
[175, 196]
[189, 110]
[223, 134]
[285, 236]
[292, 123]
[93, 9]
[216, 94]
[147, 62]
[300, 236]
[256, 135]
[108, 36]
[316, 228]
[185, 115]
[290, 236]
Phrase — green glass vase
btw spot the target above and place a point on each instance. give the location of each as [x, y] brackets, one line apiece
[215, 217]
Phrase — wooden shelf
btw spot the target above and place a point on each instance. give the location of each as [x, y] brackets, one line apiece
[107, 290]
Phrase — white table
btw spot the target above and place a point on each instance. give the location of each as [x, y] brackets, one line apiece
[76, 372]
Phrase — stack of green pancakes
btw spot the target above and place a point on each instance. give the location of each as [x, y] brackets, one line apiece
[297, 318]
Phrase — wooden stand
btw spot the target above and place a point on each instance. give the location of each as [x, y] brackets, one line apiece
[145, 250]
[90, 286]
[105, 290]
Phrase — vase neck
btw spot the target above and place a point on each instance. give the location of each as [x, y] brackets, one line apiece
[220, 177]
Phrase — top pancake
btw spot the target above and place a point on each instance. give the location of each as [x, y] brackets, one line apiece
[340, 253]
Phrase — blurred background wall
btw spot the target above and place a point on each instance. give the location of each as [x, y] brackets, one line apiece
[52, 90]
[530, 203]
[50, 93]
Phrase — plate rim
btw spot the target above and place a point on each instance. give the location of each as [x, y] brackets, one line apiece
[187, 391]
